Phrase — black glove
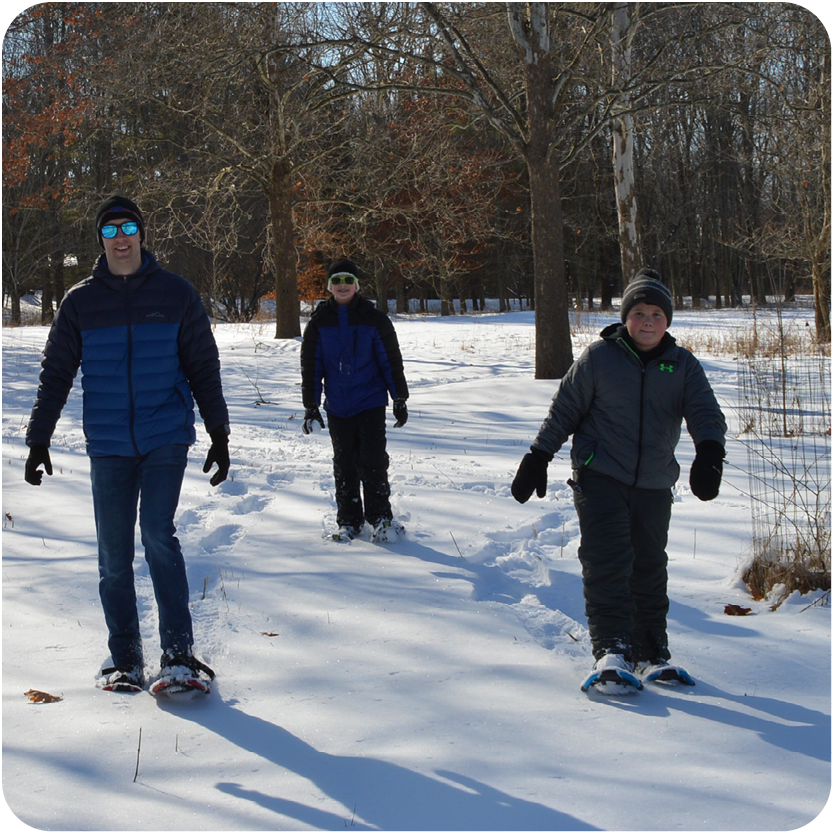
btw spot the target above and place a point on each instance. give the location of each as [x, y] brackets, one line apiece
[400, 411]
[312, 415]
[38, 456]
[707, 470]
[531, 476]
[218, 453]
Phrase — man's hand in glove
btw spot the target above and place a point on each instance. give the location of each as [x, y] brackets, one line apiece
[218, 453]
[38, 456]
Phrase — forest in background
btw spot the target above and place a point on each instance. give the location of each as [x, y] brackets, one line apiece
[532, 152]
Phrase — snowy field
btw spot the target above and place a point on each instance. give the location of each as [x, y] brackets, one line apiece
[427, 685]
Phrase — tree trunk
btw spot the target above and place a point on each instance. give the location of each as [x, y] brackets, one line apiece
[553, 345]
[14, 308]
[401, 298]
[382, 288]
[287, 312]
[46, 308]
[630, 244]
[821, 298]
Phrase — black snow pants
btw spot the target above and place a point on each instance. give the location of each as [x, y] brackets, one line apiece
[624, 532]
[360, 465]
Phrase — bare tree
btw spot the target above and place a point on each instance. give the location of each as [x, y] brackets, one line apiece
[243, 89]
[623, 31]
[46, 115]
[795, 82]
[550, 111]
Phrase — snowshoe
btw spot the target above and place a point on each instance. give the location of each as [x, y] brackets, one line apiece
[660, 671]
[346, 533]
[122, 678]
[182, 673]
[387, 531]
[612, 674]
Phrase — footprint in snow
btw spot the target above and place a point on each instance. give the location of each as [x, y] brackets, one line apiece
[188, 518]
[222, 538]
[275, 478]
[232, 487]
[249, 504]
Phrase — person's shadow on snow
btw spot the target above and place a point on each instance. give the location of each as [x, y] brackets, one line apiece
[376, 794]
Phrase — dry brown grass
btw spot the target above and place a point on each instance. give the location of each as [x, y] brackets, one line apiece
[754, 344]
[775, 575]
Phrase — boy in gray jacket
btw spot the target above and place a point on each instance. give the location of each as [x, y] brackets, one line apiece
[623, 401]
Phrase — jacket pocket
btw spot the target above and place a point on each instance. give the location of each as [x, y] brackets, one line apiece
[583, 455]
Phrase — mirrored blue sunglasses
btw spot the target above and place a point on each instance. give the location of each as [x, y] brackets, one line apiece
[128, 229]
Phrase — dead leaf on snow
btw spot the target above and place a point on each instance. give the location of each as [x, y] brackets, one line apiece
[41, 696]
[736, 610]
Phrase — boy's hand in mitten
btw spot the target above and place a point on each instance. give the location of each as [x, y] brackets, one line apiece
[400, 411]
[707, 470]
[311, 416]
[531, 476]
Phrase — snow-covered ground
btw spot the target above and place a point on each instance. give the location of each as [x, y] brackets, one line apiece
[432, 684]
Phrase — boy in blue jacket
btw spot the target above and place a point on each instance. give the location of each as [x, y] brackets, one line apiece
[143, 342]
[350, 353]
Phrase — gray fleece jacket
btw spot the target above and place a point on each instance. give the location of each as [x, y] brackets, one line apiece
[626, 416]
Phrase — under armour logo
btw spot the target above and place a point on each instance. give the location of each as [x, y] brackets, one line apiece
[668, 367]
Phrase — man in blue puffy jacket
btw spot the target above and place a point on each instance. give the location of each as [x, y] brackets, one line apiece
[350, 353]
[146, 351]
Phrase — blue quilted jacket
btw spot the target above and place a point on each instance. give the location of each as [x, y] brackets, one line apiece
[146, 351]
[351, 353]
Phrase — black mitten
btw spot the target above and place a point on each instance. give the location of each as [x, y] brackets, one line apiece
[707, 470]
[400, 411]
[531, 476]
[312, 415]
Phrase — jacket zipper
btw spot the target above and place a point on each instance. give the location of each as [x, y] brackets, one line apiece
[641, 412]
[641, 426]
[128, 309]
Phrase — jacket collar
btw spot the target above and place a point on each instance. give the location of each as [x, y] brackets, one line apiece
[355, 301]
[149, 265]
[619, 333]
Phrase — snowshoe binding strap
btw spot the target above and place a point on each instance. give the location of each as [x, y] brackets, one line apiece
[191, 663]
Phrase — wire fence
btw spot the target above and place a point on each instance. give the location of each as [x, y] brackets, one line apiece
[784, 408]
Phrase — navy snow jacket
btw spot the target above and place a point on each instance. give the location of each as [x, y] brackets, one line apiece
[350, 351]
[144, 345]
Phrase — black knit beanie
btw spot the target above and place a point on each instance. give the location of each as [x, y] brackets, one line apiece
[343, 266]
[647, 288]
[118, 207]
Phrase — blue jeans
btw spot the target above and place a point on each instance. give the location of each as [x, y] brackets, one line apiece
[118, 483]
